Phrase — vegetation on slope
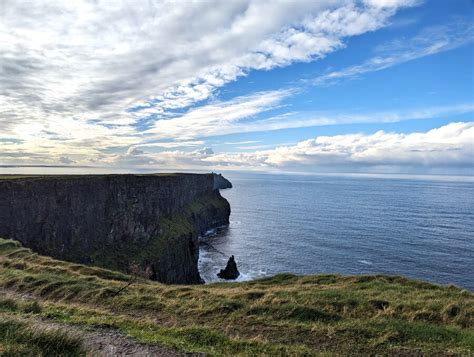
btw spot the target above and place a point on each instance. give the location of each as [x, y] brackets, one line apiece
[20, 338]
[284, 314]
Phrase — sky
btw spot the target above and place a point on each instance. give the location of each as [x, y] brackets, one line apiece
[353, 86]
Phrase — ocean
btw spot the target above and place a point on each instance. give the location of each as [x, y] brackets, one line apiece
[419, 227]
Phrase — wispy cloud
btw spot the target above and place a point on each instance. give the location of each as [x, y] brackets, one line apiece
[112, 63]
[173, 144]
[218, 118]
[307, 119]
[242, 142]
[429, 42]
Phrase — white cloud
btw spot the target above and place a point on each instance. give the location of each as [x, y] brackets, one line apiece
[390, 3]
[65, 160]
[173, 144]
[218, 118]
[134, 151]
[429, 42]
[308, 119]
[233, 117]
[242, 142]
[103, 82]
[205, 151]
[446, 147]
[175, 159]
[86, 72]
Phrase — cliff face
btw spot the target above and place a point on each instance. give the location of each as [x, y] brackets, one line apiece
[115, 220]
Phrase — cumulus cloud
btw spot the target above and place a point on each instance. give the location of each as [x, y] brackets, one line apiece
[205, 151]
[451, 145]
[448, 147]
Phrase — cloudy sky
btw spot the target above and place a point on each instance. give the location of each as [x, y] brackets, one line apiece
[291, 86]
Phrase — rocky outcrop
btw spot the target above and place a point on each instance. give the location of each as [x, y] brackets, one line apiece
[230, 272]
[115, 221]
[220, 182]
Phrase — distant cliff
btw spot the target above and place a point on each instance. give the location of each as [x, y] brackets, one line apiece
[114, 221]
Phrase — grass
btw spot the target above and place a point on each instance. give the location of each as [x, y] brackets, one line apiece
[280, 315]
[20, 338]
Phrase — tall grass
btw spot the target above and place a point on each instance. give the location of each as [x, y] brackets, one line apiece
[19, 338]
[284, 314]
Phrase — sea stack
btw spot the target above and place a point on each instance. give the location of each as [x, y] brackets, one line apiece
[230, 272]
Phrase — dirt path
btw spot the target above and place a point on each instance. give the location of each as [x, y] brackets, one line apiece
[98, 342]
[102, 342]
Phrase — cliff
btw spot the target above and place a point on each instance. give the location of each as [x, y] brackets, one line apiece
[220, 182]
[114, 221]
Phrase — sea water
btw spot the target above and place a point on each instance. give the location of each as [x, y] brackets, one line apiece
[419, 227]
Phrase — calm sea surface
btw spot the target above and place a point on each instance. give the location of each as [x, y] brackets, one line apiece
[420, 228]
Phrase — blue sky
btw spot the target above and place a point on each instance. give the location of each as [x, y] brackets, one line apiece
[441, 79]
[330, 86]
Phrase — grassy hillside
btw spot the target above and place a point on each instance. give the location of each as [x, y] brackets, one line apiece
[285, 314]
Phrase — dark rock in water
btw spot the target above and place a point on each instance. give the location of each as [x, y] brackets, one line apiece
[230, 272]
[220, 182]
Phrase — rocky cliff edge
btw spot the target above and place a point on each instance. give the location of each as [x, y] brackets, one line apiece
[116, 221]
